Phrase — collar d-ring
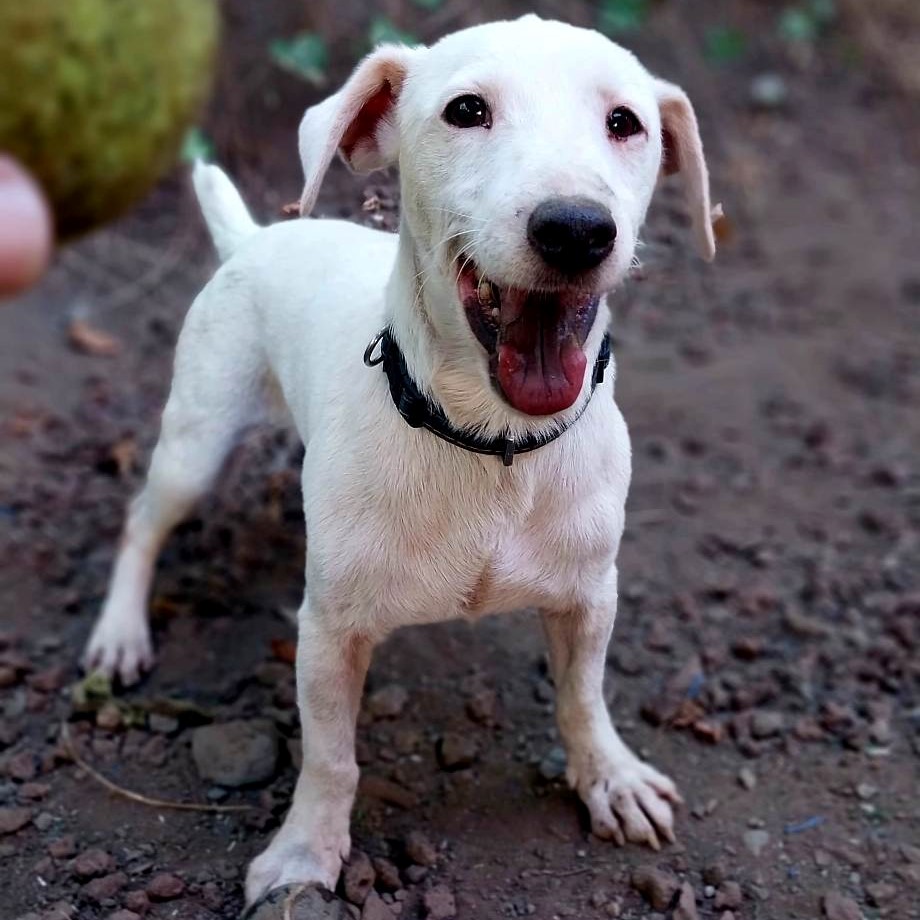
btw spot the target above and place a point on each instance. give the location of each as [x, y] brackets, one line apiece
[369, 358]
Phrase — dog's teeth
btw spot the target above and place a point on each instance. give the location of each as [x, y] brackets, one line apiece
[496, 313]
[485, 292]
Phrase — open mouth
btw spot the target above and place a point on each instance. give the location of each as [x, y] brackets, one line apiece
[535, 340]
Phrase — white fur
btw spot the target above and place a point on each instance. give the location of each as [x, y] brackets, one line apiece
[401, 526]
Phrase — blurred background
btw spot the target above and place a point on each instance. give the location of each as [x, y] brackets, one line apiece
[766, 648]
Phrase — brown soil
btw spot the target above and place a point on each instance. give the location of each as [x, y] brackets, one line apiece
[775, 520]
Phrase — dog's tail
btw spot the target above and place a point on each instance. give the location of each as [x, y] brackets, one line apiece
[224, 212]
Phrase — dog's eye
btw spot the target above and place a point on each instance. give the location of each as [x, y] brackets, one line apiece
[468, 112]
[623, 124]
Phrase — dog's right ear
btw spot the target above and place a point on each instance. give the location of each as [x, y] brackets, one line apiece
[358, 121]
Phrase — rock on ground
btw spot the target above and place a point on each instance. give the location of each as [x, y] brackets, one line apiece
[657, 886]
[439, 903]
[240, 753]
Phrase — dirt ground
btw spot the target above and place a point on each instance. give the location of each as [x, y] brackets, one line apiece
[765, 654]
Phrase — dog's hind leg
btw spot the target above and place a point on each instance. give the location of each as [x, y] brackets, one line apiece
[627, 798]
[216, 394]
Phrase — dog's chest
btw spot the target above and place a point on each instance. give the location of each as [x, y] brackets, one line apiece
[435, 552]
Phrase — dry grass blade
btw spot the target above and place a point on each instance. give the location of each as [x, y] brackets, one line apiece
[137, 796]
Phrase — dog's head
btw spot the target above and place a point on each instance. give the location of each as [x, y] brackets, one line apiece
[528, 154]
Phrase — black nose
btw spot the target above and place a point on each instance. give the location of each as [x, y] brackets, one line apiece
[572, 235]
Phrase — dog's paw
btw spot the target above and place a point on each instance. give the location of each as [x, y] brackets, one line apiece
[117, 650]
[628, 800]
[291, 860]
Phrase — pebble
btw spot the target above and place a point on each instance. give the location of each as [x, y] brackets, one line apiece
[880, 893]
[92, 863]
[62, 847]
[22, 766]
[358, 877]
[747, 779]
[14, 819]
[755, 841]
[165, 887]
[136, 901]
[728, 896]
[456, 751]
[234, 754]
[482, 706]
[109, 717]
[375, 908]
[839, 907]
[105, 887]
[162, 724]
[420, 849]
[686, 904]
[715, 873]
[387, 874]
[768, 91]
[416, 874]
[767, 724]
[387, 702]
[657, 886]
[439, 903]
[552, 766]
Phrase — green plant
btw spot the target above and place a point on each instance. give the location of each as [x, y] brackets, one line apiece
[806, 22]
[383, 29]
[305, 55]
[618, 16]
[724, 44]
[197, 146]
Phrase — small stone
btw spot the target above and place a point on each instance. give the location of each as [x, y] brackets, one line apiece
[92, 863]
[14, 819]
[657, 886]
[240, 753]
[439, 904]
[686, 904]
[163, 724]
[866, 791]
[766, 724]
[456, 751]
[136, 901]
[387, 874]
[375, 908]
[755, 841]
[22, 766]
[43, 821]
[63, 847]
[49, 680]
[165, 887]
[420, 850]
[388, 702]
[747, 779]
[416, 874]
[358, 877]
[482, 705]
[768, 91]
[715, 873]
[880, 893]
[104, 888]
[34, 792]
[728, 896]
[839, 907]
[544, 692]
[109, 717]
[552, 766]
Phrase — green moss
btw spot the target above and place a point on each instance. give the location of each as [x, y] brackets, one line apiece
[96, 95]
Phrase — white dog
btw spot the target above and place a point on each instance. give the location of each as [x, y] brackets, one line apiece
[528, 152]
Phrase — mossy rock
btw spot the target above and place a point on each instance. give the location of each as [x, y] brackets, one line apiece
[97, 95]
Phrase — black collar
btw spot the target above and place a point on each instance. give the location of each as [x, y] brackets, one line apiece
[419, 412]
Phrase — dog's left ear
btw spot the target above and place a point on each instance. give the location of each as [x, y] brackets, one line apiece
[683, 153]
[358, 121]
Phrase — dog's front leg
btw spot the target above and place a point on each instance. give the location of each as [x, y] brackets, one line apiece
[331, 666]
[627, 798]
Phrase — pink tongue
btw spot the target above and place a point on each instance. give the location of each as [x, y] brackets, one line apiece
[541, 367]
